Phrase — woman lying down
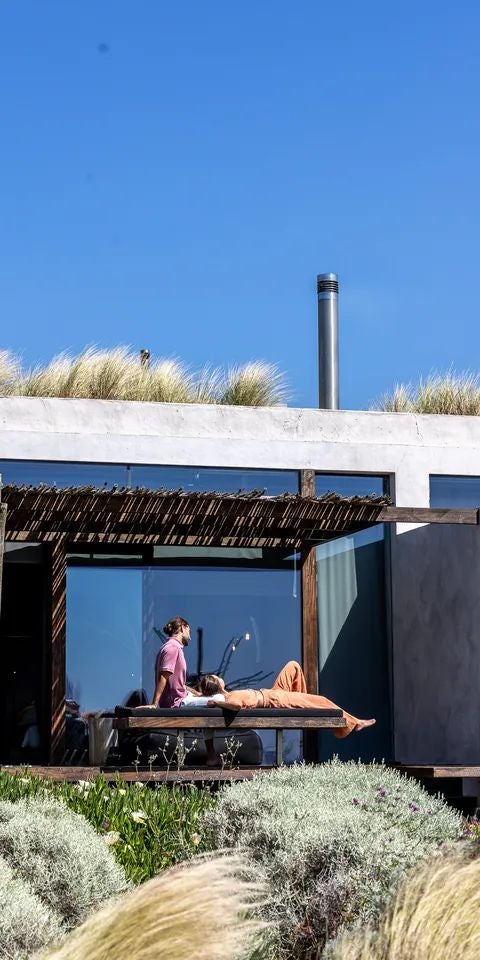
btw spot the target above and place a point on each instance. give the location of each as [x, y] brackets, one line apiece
[288, 692]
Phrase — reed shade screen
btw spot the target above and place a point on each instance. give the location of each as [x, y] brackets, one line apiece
[45, 514]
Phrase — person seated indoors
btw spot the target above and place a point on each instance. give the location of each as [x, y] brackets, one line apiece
[288, 692]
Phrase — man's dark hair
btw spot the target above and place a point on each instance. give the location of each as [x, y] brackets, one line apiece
[174, 626]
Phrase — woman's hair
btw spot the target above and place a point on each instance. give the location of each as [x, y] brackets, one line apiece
[174, 626]
[210, 684]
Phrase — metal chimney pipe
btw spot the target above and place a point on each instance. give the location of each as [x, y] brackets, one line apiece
[328, 383]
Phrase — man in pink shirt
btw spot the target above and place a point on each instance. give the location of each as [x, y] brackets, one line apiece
[171, 667]
[171, 677]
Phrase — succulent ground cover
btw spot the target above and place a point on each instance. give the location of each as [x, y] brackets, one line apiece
[147, 829]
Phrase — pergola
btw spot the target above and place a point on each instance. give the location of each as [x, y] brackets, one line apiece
[60, 517]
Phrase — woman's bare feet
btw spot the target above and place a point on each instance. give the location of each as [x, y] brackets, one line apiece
[363, 724]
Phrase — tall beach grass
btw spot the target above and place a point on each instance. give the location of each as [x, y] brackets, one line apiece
[195, 911]
[448, 393]
[435, 916]
[118, 374]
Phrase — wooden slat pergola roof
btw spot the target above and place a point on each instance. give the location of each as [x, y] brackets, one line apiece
[176, 517]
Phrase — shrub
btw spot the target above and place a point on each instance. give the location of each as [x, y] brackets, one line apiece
[167, 830]
[331, 842]
[26, 924]
[61, 858]
[436, 914]
[192, 911]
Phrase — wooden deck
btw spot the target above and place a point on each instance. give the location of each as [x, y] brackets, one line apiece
[145, 775]
[438, 772]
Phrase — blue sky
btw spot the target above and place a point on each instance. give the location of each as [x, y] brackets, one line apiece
[174, 175]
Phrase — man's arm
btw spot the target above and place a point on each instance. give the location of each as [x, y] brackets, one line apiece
[161, 683]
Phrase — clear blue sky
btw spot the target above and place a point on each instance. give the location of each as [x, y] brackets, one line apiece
[174, 175]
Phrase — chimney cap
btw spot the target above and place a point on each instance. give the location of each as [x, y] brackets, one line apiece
[327, 283]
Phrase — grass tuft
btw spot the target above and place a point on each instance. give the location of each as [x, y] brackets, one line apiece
[199, 910]
[455, 394]
[256, 384]
[435, 916]
[117, 374]
[9, 373]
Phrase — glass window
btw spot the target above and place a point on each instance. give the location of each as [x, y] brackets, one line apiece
[352, 624]
[245, 623]
[204, 479]
[201, 479]
[350, 485]
[448, 491]
[23, 552]
[34, 472]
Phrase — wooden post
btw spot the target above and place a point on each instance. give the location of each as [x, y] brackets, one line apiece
[3, 518]
[279, 747]
[57, 651]
[309, 618]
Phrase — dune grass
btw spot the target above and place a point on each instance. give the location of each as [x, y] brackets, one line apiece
[199, 910]
[448, 393]
[435, 916]
[118, 374]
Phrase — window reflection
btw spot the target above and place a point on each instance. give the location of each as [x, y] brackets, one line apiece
[244, 621]
[201, 479]
[447, 491]
[35, 472]
[205, 479]
[352, 624]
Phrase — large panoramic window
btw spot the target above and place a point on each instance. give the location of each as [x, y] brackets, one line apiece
[449, 491]
[352, 624]
[244, 613]
[35, 472]
[202, 479]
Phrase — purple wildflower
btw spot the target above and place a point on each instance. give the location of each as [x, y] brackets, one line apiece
[106, 824]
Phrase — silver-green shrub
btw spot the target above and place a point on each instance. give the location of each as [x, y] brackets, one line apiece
[26, 924]
[331, 841]
[61, 858]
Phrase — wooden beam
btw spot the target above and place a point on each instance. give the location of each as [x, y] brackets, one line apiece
[58, 620]
[427, 515]
[237, 722]
[309, 618]
[419, 771]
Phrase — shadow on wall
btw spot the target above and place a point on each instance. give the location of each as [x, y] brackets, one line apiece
[436, 645]
[354, 644]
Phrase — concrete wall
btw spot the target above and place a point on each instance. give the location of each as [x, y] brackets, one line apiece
[408, 446]
[435, 571]
[436, 646]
